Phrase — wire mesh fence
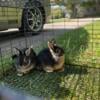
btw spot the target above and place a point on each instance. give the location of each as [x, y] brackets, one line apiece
[79, 38]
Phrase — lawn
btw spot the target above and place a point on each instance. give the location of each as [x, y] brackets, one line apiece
[82, 46]
[5, 64]
[76, 82]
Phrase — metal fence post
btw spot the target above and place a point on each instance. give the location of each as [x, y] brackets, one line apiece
[1, 65]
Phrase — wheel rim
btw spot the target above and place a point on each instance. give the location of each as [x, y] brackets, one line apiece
[34, 19]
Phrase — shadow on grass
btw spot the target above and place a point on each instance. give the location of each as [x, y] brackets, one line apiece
[38, 83]
[69, 69]
[48, 85]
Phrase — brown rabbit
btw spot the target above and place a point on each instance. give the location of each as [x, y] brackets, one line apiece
[24, 61]
[52, 58]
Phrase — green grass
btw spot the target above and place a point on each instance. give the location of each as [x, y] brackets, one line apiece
[82, 46]
[5, 64]
[76, 82]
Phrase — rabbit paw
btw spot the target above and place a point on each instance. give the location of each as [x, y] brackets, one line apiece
[20, 74]
[48, 69]
[61, 70]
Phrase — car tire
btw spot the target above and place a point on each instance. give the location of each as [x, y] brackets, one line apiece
[33, 19]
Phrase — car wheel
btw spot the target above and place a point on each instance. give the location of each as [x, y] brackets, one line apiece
[33, 20]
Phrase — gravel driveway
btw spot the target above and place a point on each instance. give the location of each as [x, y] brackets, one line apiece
[50, 31]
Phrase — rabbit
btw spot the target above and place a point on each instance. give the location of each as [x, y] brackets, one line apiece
[51, 58]
[24, 61]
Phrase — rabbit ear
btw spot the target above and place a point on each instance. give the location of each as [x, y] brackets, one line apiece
[53, 42]
[28, 51]
[50, 46]
[14, 56]
[16, 51]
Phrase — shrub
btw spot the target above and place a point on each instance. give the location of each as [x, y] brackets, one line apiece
[56, 13]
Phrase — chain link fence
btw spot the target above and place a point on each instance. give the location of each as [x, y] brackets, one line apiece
[79, 37]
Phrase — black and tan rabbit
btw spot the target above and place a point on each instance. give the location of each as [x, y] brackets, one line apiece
[24, 60]
[52, 58]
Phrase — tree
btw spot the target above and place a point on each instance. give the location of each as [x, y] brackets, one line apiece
[71, 6]
[97, 5]
[59, 1]
[92, 4]
[88, 4]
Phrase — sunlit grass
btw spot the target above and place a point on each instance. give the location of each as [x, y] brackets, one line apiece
[82, 45]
